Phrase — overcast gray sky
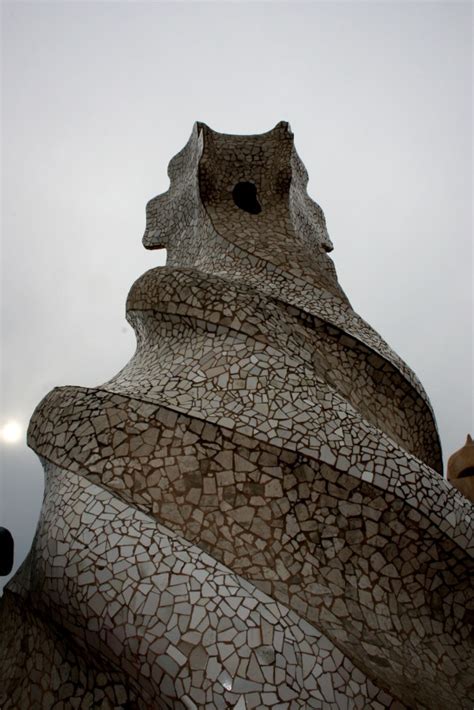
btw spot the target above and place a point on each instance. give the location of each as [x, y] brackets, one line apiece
[98, 96]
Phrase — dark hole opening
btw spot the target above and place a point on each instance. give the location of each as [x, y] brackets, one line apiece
[467, 473]
[245, 197]
[6, 552]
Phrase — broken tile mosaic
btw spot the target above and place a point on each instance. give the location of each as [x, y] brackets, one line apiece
[251, 513]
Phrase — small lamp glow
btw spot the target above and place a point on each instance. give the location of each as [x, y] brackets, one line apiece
[11, 432]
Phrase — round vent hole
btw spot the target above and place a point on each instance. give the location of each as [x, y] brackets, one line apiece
[245, 197]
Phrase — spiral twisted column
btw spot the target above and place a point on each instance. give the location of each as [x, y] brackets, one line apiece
[250, 514]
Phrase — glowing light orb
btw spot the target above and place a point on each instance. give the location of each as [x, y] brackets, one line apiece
[11, 432]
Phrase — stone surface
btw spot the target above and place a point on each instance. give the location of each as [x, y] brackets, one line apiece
[461, 469]
[250, 514]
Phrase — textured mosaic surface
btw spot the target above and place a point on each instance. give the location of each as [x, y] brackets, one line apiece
[182, 627]
[51, 670]
[250, 514]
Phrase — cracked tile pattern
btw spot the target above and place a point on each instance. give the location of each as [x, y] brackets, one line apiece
[52, 669]
[343, 548]
[291, 454]
[229, 351]
[201, 228]
[178, 625]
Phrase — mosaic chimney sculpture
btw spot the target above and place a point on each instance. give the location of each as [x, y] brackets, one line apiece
[460, 471]
[252, 513]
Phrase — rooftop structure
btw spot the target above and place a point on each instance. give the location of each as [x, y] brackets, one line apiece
[252, 512]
